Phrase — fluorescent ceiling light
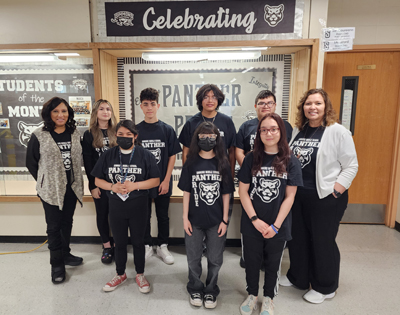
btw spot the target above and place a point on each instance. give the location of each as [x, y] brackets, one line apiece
[197, 56]
[26, 58]
[66, 54]
[255, 48]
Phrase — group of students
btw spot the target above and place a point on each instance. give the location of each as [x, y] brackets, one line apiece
[129, 165]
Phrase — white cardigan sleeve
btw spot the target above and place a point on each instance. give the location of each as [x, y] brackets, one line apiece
[347, 158]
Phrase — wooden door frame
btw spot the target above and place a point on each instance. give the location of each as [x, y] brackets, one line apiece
[394, 189]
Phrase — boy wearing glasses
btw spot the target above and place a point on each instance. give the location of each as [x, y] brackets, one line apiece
[160, 139]
[209, 98]
[265, 103]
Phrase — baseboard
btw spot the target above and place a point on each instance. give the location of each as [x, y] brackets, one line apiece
[397, 226]
[175, 241]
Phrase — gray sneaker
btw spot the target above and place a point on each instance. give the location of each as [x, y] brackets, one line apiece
[148, 251]
[163, 252]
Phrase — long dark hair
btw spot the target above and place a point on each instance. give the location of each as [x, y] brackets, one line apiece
[130, 125]
[220, 153]
[281, 160]
[49, 124]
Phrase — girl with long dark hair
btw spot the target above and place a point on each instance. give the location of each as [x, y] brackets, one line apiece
[53, 158]
[206, 182]
[127, 172]
[99, 138]
[268, 182]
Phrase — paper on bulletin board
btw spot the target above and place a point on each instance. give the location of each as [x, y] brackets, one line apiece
[347, 108]
[82, 106]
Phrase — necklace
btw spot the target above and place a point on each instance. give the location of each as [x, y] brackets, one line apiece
[210, 118]
[310, 137]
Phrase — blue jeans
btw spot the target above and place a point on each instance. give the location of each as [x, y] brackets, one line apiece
[194, 250]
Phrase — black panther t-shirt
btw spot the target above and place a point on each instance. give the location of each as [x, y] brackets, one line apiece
[160, 139]
[305, 148]
[203, 181]
[91, 154]
[143, 166]
[223, 122]
[247, 134]
[267, 191]
[63, 141]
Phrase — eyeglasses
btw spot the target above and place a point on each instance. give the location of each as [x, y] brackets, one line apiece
[203, 136]
[272, 131]
[206, 98]
[269, 104]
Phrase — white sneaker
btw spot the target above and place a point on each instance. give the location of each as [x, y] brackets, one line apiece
[249, 304]
[149, 251]
[163, 252]
[315, 297]
[267, 307]
[284, 281]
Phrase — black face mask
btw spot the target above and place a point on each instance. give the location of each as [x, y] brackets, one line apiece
[207, 144]
[125, 142]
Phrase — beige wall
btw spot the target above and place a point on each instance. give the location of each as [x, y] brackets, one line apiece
[376, 22]
[44, 21]
[27, 219]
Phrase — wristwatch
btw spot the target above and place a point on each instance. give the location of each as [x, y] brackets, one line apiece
[337, 194]
[253, 218]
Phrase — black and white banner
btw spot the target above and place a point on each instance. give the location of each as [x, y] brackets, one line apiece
[22, 95]
[193, 18]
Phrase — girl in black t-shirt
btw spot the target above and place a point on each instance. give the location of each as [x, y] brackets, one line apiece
[206, 182]
[127, 172]
[99, 138]
[268, 182]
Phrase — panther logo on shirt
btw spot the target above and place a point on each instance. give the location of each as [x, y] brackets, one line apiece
[268, 190]
[67, 159]
[209, 192]
[130, 178]
[157, 154]
[273, 15]
[25, 131]
[303, 155]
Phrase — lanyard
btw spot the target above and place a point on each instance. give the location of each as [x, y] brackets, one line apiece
[123, 177]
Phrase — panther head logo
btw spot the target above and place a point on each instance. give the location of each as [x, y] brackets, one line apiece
[268, 190]
[157, 154]
[303, 155]
[130, 178]
[80, 84]
[209, 192]
[67, 159]
[249, 115]
[25, 131]
[123, 18]
[273, 15]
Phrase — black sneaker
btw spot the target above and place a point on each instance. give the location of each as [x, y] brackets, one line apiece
[210, 301]
[107, 255]
[241, 263]
[196, 299]
[72, 260]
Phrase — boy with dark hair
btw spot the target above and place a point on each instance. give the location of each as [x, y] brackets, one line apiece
[160, 139]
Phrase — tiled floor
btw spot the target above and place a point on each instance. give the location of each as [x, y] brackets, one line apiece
[369, 282]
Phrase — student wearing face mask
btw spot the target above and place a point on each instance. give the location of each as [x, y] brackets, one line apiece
[126, 173]
[206, 182]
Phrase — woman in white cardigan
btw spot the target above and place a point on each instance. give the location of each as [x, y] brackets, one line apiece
[329, 164]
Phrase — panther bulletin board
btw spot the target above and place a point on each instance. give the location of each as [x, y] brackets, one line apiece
[22, 95]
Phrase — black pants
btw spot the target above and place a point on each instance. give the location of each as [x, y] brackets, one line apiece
[314, 254]
[162, 206]
[59, 222]
[130, 214]
[262, 251]
[101, 205]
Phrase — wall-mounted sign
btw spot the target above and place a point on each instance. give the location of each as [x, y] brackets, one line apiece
[22, 95]
[337, 38]
[366, 67]
[176, 18]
